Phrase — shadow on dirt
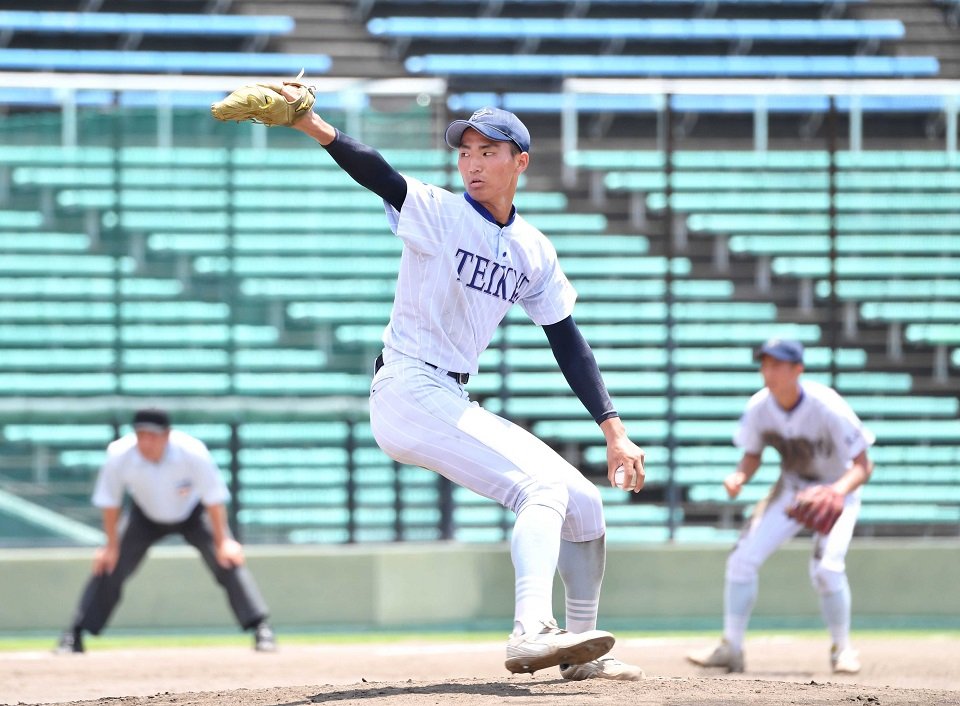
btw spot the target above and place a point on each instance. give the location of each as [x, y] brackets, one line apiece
[481, 688]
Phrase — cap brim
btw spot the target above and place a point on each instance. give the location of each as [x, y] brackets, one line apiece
[151, 427]
[454, 134]
[776, 355]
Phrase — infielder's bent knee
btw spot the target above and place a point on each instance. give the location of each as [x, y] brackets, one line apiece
[825, 580]
[742, 568]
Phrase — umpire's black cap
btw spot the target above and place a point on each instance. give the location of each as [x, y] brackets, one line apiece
[781, 349]
[151, 419]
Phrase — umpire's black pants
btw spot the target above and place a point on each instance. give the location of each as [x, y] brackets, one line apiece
[102, 593]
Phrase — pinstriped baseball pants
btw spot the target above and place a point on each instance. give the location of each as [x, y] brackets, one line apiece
[422, 417]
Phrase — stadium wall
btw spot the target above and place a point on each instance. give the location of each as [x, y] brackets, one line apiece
[895, 584]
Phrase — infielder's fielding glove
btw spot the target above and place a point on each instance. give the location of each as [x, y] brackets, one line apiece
[817, 508]
[263, 103]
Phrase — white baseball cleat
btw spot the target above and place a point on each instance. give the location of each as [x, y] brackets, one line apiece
[603, 668]
[845, 661]
[723, 655]
[552, 646]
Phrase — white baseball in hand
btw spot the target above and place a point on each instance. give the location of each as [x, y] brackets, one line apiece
[620, 478]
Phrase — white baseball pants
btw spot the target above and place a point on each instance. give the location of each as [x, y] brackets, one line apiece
[770, 527]
[422, 417]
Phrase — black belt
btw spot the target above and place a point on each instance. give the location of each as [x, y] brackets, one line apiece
[461, 378]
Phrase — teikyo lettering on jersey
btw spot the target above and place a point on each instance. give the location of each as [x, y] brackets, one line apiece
[490, 277]
[799, 454]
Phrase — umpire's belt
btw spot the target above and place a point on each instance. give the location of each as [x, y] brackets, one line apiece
[461, 378]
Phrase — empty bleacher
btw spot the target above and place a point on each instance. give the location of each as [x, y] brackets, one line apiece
[136, 272]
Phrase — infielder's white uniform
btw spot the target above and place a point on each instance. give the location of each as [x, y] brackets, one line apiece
[817, 440]
[459, 274]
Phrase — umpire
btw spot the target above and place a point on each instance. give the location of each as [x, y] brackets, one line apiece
[176, 488]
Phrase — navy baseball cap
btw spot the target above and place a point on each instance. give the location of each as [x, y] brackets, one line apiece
[152, 419]
[499, 125]
[781, 349]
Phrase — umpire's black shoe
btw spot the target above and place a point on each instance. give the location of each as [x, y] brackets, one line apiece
[263, 638]
[71, 641]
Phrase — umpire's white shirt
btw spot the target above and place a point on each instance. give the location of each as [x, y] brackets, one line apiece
[166, 491]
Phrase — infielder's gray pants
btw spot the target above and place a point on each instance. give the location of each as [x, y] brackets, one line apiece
[102, 593]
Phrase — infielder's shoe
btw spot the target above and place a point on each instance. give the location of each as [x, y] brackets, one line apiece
[552, 646]
[845, 661]
[71, 641]
[723, 655]
[603, 668]
[263, 638]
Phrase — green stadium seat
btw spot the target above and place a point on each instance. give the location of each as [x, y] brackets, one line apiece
[77, 287]
[21, 219]
[571, 407]
[280, 358]
[44, 241]
[57, 383]
[934, 334]
[905, 454]
[917, 312]
[896, 160]
[906, 493]
[325, 383]
[57, 358]
[343, 311]
[902, 289]
[926, 431]
[56, 335]
[178, 383]
[74, 264]
[598, 243]
[60, 434]
[249, 266]
[894, 179]
[740, 333]
[381, 288]
[586, 431]
[702, 289]
[175, 358]
[858, 267]
[179, 335]
[742, 201]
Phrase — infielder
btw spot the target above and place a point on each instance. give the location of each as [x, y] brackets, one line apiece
[176, 488]
[823, 461]
[466, 260]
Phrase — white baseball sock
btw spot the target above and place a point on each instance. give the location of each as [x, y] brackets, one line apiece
[581, 566]
[738, 600]
[835, 608]
[534, 548]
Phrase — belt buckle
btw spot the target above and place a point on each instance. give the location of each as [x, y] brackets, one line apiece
[461, 378]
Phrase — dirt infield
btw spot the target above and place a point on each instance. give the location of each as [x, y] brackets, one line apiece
[781, 670]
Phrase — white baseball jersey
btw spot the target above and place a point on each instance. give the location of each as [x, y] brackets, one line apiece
[460, 273]
[817, 439]
[166, 491]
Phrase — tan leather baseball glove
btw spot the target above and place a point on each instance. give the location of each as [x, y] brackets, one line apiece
[264, 103]
[817, 508]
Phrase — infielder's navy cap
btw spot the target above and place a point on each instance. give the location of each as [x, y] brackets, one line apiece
[499, 125]
[781, 349]
[152, 419]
